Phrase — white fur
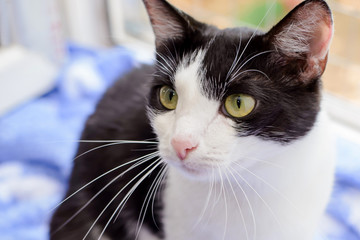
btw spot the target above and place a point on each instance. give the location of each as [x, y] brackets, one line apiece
[147, 235]
[284, 201]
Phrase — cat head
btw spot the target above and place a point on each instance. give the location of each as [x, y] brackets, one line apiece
[220, 97]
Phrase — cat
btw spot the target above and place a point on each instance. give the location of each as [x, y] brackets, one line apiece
[222, 138]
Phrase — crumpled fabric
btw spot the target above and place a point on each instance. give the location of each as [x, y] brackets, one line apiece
[38, 140]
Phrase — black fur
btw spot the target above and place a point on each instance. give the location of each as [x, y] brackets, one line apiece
[121, 114]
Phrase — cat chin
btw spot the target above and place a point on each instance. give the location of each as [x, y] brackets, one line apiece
[192, 170]
[193, 173]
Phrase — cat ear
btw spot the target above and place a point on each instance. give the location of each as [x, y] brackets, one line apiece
[169, 22]
[305, 33]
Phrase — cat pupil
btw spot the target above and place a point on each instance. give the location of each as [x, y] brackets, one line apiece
[171, 95]
[238, 102]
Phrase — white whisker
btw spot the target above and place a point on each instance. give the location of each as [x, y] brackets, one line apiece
[118, 193]
[147, 200]
[248, 60]
[273, 188]
[257, 28]
[262, 199]
[237, 203]
[252, 36]
[122, 203]
[108, 141]
[168, 69]
[158, 189]
[146, 157]
[236, 60]
[172, 58]
[207, 201]
[106, 145]
[266, 162]
[248, 201]
[166, 61]
[223, 190]
[250, 70]
[141, 161]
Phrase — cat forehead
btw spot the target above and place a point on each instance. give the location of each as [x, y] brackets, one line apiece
[215, 55]
[213, 39]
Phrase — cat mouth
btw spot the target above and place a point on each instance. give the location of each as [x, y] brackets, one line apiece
[189, 167]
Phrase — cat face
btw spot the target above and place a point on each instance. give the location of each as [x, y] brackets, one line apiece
[224, 96]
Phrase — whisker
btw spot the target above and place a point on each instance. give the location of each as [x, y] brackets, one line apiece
[121, 141]
[261, 198]
[166, 69]
[122, 203]
[147, 201]
[236, 60]
[248, 60]
[162, 70]
[163, 66]
[273, 188]
[126, 198]
[156, 75]
[207, 201]
[118, 193]
[257, 28]
[225, 202]
[248, 201]
[144, 149]
[107, 145]
[172, 58]
[145, 159]
[109, 141]
[237, 202]
[158, 189]
[250, 70]
[266, 162]
[215, 190]
[221, 189]
[165, 60]
[176, 54]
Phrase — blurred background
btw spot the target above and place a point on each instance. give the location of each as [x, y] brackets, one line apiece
[57, 57]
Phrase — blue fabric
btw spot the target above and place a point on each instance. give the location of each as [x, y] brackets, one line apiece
[37, 146]
[37, 140]
[344, 207]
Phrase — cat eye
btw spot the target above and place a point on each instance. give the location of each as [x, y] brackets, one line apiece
[239, 105]
[168, 97]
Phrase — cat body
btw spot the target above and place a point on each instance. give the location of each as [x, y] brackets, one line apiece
[225, 137]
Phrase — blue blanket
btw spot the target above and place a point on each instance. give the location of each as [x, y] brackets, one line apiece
[37, 146]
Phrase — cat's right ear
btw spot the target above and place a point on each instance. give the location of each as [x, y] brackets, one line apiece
[169, 22]
[305, 33]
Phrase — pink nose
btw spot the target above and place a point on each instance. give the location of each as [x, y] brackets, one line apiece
[183, 146]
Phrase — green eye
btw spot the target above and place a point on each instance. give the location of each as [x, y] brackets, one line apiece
[239, 105]
[168, 97]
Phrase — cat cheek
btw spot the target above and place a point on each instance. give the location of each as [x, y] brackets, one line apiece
[163, 125]
[221, 134]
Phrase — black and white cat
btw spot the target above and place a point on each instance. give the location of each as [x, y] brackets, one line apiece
[223, 138]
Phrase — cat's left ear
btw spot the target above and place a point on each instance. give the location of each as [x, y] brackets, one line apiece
[169, 22]
[305, 33]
